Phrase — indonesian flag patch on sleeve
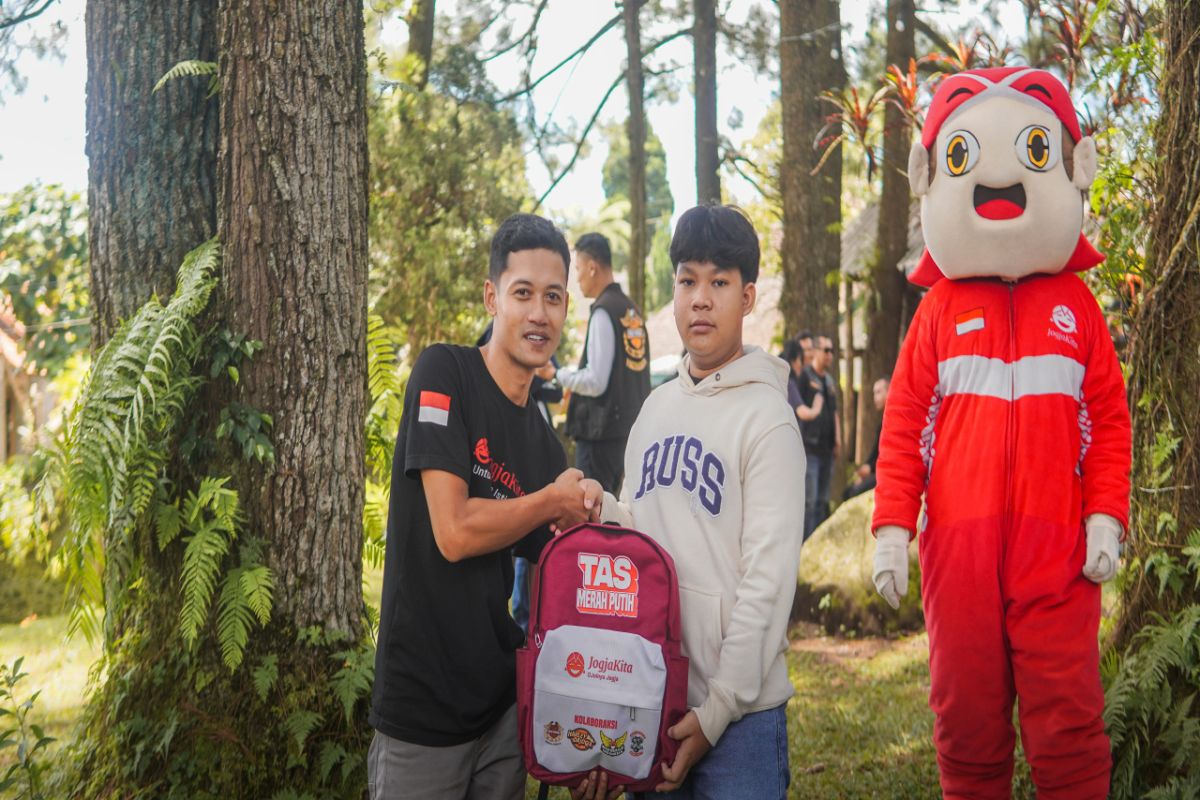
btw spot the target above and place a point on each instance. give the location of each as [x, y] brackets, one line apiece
[969, 321]
[435, 408]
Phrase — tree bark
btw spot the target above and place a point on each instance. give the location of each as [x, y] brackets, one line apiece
[151, 155]
[886, 293]
[293, 226]
[708, 162]
[1164, 375]
[637, 155]
[849, 409]
[420, 37]
[810, 63]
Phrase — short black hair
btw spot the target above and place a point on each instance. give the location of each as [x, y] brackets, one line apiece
[718, 234]
[595, 245]
[525, 232]
[802, 335]
[792, 350]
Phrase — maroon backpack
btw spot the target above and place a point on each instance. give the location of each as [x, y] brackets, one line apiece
[601, 677]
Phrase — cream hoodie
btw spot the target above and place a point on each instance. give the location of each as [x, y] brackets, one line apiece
[714, 472]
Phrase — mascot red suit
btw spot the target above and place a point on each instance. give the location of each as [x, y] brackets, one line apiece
[1007, 412]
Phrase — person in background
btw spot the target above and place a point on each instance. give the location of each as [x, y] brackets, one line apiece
[805, 340]
[821, 435]
[613, 377]
[796, 356]
[864, 476]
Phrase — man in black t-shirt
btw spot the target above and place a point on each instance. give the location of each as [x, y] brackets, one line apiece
[477, 476]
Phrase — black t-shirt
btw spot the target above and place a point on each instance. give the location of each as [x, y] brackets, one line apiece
[445, 669]
[819, 435]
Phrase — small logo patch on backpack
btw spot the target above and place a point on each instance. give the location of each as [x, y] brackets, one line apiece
[612, 747]
[637, 743]
[575, 664]
[581, 738]
[553, 733]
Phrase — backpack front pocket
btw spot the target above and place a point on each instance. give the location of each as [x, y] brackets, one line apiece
[597, 701]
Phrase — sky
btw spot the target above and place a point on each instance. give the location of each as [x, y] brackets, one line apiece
[42, 130]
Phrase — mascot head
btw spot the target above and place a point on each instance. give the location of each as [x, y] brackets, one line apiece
[1002, 170]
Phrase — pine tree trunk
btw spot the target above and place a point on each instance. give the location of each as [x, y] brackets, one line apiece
[637, 155]
[1164, 376]
[849, 409]
[151, 155]
[293, 225]
[708, 163]
[885, 299]
[810, 63]
[420, 37]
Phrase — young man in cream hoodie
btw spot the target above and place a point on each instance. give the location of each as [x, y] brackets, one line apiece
[714, 470]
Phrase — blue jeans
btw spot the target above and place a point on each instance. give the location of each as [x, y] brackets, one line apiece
[749, 762]
[520, 592]
[816, 491]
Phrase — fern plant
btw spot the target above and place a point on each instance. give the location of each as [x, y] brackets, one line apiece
[192, 68]
[112, 467]
[386, 386]
[118, 435]
[1150, 708]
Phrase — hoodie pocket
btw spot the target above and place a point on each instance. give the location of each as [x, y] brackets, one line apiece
[702, 635]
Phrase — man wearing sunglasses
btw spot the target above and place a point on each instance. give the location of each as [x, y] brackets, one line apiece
[822, 435]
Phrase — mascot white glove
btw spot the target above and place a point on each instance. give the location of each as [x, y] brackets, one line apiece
[891, 563]
[1103, 538]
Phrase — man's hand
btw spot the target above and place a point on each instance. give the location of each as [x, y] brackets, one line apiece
[818, 403]
[693, 746]
[578, 501]
[594, 788]
[863, 471]
[547, 371]
[891, 563]
[1103, 541]
[593, 500]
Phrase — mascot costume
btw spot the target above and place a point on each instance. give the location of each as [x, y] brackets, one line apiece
[1008, 412]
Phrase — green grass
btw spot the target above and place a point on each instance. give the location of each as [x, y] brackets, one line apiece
[859, 724]
[57, 667]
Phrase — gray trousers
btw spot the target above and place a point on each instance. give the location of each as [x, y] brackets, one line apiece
[489, 767]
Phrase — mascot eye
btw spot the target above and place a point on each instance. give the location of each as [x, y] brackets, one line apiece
[962, 153]
[1035, 148]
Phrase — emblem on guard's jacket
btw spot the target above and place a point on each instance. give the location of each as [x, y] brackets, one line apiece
[612, 747]
[635, 340]
[581, 738]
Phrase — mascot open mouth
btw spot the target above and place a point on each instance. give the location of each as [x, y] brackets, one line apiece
[1006, 203]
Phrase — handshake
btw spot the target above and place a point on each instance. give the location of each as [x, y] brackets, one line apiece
[576, 499]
